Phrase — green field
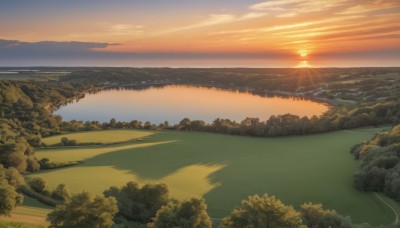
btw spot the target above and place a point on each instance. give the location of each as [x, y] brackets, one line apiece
[103, 137]
[26, 216]
[225, 169]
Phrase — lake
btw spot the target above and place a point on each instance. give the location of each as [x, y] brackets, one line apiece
[173, 103]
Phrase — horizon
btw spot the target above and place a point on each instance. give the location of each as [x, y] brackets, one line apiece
[178, 67]
[207, 34]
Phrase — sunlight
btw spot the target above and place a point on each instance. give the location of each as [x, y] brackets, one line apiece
[198, 175]
[303, 53]
[303, 64]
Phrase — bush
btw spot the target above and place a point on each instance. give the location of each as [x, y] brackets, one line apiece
[45, 163]
[33, 164]
[40, 186]
[84, 211]
[61, 193]
[262, 211]
[335, 221]
[139, 204]
[191, 213]
[66, 142]
[25, 189]
[9, 199]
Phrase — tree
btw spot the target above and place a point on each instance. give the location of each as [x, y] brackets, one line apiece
[40, 186]
[68, 142]
[112, 123]
[335, 221]
[13, 155]
[312, 214]
[13, 177]
[392, 183]
[263, 211]
[84, 211]
[139, 204]
[10, 179]
[18, 161]
[9, 199]
[33, 164]
[191, 213]
[61, 193]
[185, 124]
[134, 124]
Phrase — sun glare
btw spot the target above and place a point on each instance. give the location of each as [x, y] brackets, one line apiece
[303, 64]
[303, 53]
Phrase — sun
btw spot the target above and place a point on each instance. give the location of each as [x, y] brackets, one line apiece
[303, 53]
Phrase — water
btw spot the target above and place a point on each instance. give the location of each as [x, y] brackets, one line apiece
[173, 103]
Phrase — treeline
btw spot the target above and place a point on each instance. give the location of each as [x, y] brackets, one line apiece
[38, 188]
[260, 79]
[25, 118]
[379, 169]
[337, 118]
[151, 206]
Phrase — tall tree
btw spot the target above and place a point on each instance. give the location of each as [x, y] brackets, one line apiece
[312, 214]
[9, 199]
[10, 179]
[139, 204]
[191, 213]
[263, 211]
[84, 211]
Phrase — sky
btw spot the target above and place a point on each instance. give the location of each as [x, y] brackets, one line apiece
[206, 33]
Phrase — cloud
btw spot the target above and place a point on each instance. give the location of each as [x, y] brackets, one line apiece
[18, 49]
[107, 29]
[55, 46]
[253, 15]
[125, 29]
[287, 15]
[296, 7]
[270, 5]
[216, 19]
[370, 6]
[291, 27]
[8, 43]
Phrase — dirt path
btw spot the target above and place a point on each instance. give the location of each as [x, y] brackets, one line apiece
[396, 222]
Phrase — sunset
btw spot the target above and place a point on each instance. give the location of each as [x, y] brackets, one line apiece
[275, 33]
[199, 113]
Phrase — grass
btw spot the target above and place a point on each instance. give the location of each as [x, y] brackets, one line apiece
[25, 217]
[33, 211]
[225, 169]
[8, 223]
[103, 137]
[30, 202]
[31, 214]
[395, 206]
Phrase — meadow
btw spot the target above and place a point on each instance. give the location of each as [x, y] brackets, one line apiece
[100, 137]
[224, 169]
[32, 216]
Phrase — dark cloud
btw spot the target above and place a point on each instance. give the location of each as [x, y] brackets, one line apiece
[17, 49]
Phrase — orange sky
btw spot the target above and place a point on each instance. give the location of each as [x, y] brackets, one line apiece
[274, 28]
